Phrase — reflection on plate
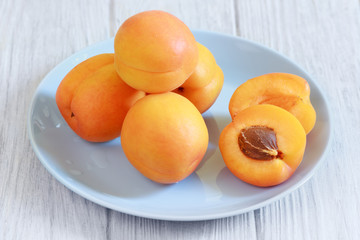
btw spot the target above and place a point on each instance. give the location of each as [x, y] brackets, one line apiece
[102, 174]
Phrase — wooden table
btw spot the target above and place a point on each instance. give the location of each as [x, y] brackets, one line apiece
[321, 36]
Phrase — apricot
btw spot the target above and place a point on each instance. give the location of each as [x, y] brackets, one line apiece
[284, 90]
[155, 51]
[94, 100]
[204, 70]
[204, 85]
[164, 137]
[263, 145]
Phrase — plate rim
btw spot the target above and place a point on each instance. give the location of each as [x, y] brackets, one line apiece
[90, 194]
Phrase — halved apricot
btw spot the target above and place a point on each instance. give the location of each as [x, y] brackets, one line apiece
[284, 90]
[263, 145]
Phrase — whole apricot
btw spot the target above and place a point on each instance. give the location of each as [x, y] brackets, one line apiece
[204, 85]
[164, 137]
[155, 51]
[284, 90]
[263, 145]
[94, 100]
[204, 71]
[204, 97]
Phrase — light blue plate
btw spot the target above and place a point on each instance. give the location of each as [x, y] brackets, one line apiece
[102, 174]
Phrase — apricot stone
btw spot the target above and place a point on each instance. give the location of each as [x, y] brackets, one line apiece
[94, 100]
[284, 90]
[155, 51]
[263, 145]
[204, 85]
[164, 137]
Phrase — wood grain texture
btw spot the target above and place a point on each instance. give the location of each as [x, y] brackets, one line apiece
[321, 36]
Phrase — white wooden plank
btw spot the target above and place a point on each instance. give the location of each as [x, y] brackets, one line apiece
[213, 15]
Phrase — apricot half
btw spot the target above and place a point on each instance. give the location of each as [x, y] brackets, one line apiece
[263, 145]
[284, 90]
[94, 100]
[204, 85]
[155, 51]
[164, 137]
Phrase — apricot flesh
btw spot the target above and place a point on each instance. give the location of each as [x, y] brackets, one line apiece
[94, 100]
[155, 44]
[263, 145]
[164, 137]
[204, 85]
[284, 90]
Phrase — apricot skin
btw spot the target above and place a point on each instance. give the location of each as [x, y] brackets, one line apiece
[154, 44]
[284, 90]
[151, 82]
[204, 85]
[204, 97]
[204, 70]
[94, 100]
[164, 137]
[291, 141]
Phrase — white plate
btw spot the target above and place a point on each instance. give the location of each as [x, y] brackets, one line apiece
[102, 174]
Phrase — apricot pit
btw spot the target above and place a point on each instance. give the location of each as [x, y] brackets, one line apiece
[259, 142]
